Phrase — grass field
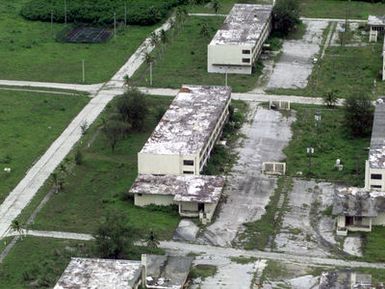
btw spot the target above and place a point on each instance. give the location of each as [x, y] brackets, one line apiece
[99, 185]
[29, 123]
[28, 51]
[373, 248]
[330, 141]
[345, 70]
[185, 61]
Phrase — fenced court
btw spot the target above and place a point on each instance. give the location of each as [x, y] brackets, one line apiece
[86, 35]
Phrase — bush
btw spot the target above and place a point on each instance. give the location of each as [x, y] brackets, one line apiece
[285, 16]
[100, 12]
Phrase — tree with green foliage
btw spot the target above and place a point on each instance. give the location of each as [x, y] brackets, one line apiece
[359, 115]
[114, 238]
[78, 157]
[16, 227]
[330, 99]
[115, 130]
[205, 32]
[285, 16]
[152, 240]
[216, 6]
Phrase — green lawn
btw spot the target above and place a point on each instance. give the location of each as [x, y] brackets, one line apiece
[340, 9]
[29, 123]
[330, 141]
[29, 52]
[185, 61]
[100, 183]
[373, 248]
[225, 6]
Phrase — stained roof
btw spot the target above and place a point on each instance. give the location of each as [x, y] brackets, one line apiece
[82, 273]
[166, 271]
[376, 20]
[345, 280]
[189, 121]
[186, 188]
[244, 25]
[377, 143]
[358, 202]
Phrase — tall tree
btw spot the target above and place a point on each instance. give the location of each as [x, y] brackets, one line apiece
[216, 6]
[285, 16]
[359, 115]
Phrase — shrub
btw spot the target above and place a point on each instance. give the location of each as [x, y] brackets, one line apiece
[100, 12]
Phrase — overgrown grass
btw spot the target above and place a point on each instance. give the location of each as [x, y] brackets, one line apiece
[258, 234]
[373, 247]
[340, 9]
[100, 185]
[243, 259]
[222, 157]
[28, 50]
[274, 271]
[225, 6]
[331, 141]
[29, 123]
[39, 262]
[203, 271]
[185, 60]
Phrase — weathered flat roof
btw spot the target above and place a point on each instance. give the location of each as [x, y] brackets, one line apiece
[166, 271]
[377, 142]
[376, 20]
[345, 280]
[189, 121]
[186, 188]
[244, 25]
[82, 273]
[358, 202]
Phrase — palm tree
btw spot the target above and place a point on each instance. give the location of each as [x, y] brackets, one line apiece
[152, 241]
[16, 227]
[149, 60]
[216, 6]
[128, 82]
[163, 39]
[205, 30]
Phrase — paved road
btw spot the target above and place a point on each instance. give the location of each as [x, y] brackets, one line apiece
[185, 248]
[38, 91]
[23, 193]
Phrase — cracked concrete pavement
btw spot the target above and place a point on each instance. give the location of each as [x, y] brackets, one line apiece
[248, 191]
[297, 57]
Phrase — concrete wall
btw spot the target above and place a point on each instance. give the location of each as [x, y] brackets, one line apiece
[379, 220]
[165, 164]
[160, 200]
[369, 182]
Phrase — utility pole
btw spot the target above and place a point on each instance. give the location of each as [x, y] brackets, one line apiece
[114, 24]
[65, 12]
[83, 71]
[52, 22]
[151, 73]
[125, 13]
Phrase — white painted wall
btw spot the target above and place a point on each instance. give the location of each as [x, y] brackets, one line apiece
[160, 200]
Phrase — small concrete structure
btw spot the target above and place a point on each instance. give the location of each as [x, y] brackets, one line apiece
[239, 42]
[84, 273]
[376, 25]
[196, 196]
[165, 272]
[358, 210]
[182, 141]
[375, 165]
[346, 280]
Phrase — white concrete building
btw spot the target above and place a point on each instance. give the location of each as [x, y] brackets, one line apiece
[82, 273]
[357, 210]
[375, 165]
[196, 196]
[236, 46]
[182, 141]
[376, 26]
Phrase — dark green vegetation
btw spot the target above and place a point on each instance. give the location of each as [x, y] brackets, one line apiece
[203, 271]
[261, 233]
[285, 16]
[331, 140]
[37, 263]
[223, 157]
[373, 248]
[336, 73]
[139, 12]
[185, 59]
[359, 112]
[29, 123]
[29, 51]
[100, 184]
[243, 259]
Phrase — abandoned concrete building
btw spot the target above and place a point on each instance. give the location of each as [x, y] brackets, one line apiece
[347, 280]
[165, 272]
[375, 165]
[84, 273]
[182, 141]
[152, 272]
[377, 25]
[357, 210]
[236, 46]
[196, 196]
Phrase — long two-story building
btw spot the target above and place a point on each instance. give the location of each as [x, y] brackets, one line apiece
[236, 46]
